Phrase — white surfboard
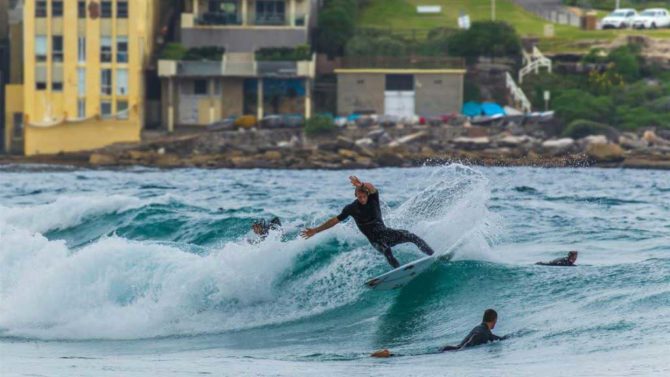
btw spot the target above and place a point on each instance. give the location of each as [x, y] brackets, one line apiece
[402, 275]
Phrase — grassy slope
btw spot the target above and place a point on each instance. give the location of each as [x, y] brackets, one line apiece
[402, 14]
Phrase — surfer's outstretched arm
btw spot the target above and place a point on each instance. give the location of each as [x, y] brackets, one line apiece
[367, 186]
[309, 232]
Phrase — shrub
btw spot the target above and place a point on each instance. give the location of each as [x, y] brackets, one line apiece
[485, 38]
[336, 25]
[205, 53]
[573, 104]
[580, 128]
[298, 53]
[319, 125]
[383, 45]
[173, 51]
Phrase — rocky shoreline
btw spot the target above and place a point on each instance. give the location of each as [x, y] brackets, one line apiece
[375, 147]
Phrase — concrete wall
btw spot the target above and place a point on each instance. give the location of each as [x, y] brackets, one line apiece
[360, 91]
[244, 39]
[233, 97]
[72, 137]
[438, 94]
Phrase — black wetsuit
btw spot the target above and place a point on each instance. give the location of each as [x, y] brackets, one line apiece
[565, 262]
[369, 220]
[479, 335]
[266, 227]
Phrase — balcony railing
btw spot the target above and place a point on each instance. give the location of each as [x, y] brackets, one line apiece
[219, 18]
[237, 65]
[232, 19]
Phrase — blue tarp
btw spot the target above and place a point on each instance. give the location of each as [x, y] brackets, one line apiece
[491, 109]
[473, 109]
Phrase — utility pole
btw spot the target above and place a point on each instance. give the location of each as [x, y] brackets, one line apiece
[493, 10]
[618, 4]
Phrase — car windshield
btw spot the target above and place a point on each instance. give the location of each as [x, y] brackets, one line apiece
[648, 13]
[618, 13]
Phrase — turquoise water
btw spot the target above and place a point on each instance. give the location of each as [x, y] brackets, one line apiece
[147, 272]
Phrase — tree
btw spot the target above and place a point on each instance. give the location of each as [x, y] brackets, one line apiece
[485, 38]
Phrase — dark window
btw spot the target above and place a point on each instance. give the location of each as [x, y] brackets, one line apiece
[360, 82]
[40, 85]
[106, 82]
[81, 9]
[437, 82]
[121, 49]
[106, 9]
[122, 109]
[270, 12]
[18, 124]
[56, 8]
[122, 9]
[40, 8]
[57, 48]
[106, 49]
[106, 108]
[401, 83]
[57, 86]
[200, 87]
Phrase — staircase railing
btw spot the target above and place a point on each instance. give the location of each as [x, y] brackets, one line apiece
[518, 96]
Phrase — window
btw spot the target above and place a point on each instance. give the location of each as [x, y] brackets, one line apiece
[40, 85]
[40, 77]
[57, 48]
[106, 108]
[404, 83]
[122, 9]
[56, 8]
[81, 81]
[270, 12]
[18, 125]
[81, 108]
[40, 48]
[200, 87]
[40, 8]
[81, 49]
[106, 49]
[106, 9]
[81, 9]
[106, 82]
[122, 109]
[122, 82]
[57, 78]
[121, 49]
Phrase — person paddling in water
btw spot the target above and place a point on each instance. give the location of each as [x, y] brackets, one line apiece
[368, 216]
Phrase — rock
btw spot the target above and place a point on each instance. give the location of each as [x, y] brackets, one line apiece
[388, 158]
[376, 134]
[168, 160]
[514, 141]
[558, 146]
[141, 155]
[472, 143]
[593, 139]
[605, 152]
[161, 151]
[651, 137]
[365, 142]
[99, 159]
[347, 153]
[631, 141]
[273, 155]
[408, 138]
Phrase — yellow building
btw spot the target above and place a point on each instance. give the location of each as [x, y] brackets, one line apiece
[83, 74]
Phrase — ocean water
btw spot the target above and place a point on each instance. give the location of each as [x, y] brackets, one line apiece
[147, 272]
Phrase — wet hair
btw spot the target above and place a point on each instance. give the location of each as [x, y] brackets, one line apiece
[361, 189]
[571, 253]
[490, 315]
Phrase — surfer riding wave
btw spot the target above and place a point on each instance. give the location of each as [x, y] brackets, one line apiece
[368, 216]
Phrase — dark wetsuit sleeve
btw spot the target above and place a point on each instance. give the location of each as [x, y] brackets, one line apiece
[346, 212]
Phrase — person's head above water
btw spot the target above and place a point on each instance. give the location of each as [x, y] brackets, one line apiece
[572, 256]
[260, 227]
[490, 318]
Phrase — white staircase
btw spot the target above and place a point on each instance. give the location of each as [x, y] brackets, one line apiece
[518, 96]
[533, 62]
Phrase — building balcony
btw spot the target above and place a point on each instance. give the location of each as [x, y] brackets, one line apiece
[237, 65]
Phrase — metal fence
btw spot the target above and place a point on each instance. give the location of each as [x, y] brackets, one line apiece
[558, 15]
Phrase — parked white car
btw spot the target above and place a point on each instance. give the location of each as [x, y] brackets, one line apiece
[652, 18]
[619, 19]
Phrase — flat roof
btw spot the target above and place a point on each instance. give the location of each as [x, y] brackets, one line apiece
[415, 71]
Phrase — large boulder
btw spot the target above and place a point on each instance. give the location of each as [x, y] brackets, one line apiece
[653, 139]
[630, 140]
[348, 153]
[472, 143]
[558, 146]
[605, 152]
[99, 159]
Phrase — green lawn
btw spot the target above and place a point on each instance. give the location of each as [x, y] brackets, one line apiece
[401, 14]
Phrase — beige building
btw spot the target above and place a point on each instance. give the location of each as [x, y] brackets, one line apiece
[241, 81]
[393, 87]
